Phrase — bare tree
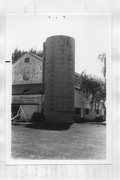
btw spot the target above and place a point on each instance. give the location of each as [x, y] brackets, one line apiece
[102, 58]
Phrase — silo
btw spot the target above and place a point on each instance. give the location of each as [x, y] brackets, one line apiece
[59, 79]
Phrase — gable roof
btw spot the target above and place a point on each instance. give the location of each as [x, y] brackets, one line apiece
[34, 55]
[77, 74]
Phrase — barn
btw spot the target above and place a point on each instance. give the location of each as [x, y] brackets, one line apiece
[27, 89]
[31, 93]
[82, 104]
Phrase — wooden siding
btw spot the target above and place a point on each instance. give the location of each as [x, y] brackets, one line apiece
[33, 69]
[26, 99]
[27, 111]
[79, 99]
[27, 89]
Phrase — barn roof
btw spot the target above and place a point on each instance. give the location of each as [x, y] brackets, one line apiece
[27, 89]
[34, 55]
[77, 74]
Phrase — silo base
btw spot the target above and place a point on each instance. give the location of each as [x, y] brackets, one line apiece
[49, 125]
[59, 118]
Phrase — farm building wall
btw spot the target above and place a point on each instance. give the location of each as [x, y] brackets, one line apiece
[27, 111]
[27, 99]
[29, 104]
[27, 89]
[83, 108]
[27, 70]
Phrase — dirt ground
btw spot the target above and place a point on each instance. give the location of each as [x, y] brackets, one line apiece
[81, 141]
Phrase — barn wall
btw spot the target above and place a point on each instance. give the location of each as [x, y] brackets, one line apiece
[27, 73]
[79, 99]
[26, 99]
[27, 111]
[29, 104]
[92, 113]
[81, 102]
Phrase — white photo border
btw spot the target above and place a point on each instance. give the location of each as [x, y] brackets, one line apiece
[8, 97]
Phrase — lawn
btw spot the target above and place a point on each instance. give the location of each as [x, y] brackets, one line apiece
[81, 141]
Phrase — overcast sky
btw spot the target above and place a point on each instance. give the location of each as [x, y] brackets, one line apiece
[91, 34]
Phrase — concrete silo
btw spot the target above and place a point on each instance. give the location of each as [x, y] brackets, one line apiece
[59, 60]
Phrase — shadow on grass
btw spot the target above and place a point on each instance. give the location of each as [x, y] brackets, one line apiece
[38, 122]
[49, 126]
[98, 120]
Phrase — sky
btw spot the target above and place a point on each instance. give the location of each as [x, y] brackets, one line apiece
[91, 33]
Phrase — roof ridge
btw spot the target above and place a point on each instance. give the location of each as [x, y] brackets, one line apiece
[35, 56]
[38, 57]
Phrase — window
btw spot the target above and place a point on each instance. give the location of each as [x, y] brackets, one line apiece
[26, 60]
[86, 111]
[77, 110]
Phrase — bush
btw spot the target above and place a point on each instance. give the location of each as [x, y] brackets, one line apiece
[37, 117]
[99, 119]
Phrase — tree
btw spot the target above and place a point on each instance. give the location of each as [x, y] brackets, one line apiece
[18, 53]
[93, 88]
[38, 53]
[102, 58]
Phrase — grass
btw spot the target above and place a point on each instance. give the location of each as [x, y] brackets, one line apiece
[81, 141]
